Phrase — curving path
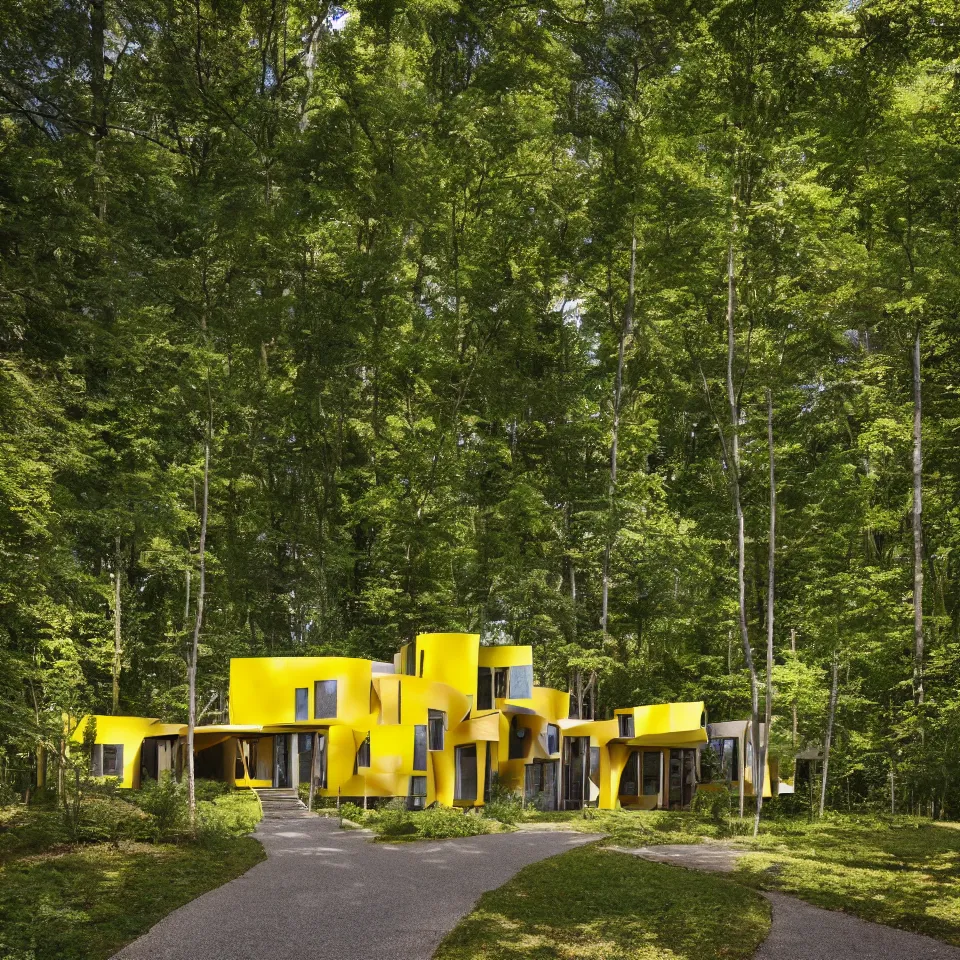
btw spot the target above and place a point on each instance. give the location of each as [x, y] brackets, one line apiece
[324, 893]
[803, 932]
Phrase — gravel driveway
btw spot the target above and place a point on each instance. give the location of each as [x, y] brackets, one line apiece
[323, 892]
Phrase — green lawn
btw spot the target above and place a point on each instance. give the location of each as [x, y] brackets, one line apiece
[84, 902]
[595, 904]
[634, 828]
[903, 873]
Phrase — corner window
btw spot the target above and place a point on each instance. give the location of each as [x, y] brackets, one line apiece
[324, 699]
[436, 721]
[626, 724]
[521, 682]
[553, 738]
[300, 704]
[651, 774]
[363, 755]
[420, 747]
[107, 760]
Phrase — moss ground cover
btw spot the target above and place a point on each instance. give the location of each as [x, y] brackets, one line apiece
[83, 901]
[902, 872]
[595, 904]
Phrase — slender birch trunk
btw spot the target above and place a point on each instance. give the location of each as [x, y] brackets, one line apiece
[734, 472]
[831, 713]
[793, 649]
[117, 637]
[917, 528]
[625, 331]
[771, 570]
[197, 627]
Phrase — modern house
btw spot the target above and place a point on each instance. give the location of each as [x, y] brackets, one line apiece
[433, 726]
[727, 760]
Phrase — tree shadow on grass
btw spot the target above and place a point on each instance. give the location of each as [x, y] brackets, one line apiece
[594, 904]
[86, 904]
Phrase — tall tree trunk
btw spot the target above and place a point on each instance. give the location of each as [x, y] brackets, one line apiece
[734, 472]
[771, 570]
[831, 713]
[625, 330]
[117, 638]
[917, 528]
[197, 626]
[793, 649]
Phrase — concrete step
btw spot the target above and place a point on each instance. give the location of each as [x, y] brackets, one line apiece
[280, 803]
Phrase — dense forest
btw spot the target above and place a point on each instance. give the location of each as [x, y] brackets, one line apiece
[427, 315]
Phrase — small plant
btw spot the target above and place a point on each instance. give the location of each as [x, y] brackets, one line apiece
[440, 823]
[395, 819]
[353, 813]
[508, 810]
[166, 801]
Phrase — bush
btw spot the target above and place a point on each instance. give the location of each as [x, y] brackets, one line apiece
[209, 789]
[441, 823]
[507, 811]
[166, 801]
[715, 804]
[350, 811]
[105, 819]
[395, 819]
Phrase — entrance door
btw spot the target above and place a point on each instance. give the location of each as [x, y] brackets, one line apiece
[148, 761]
[683, 778]
[465, 787]
[576, 772]
[281, 760]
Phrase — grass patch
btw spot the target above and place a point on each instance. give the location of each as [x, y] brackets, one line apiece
[85, 901]
[594, 904]
[904, 873]
[636, 828]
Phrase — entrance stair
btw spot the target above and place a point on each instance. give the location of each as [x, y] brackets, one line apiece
[280, 803]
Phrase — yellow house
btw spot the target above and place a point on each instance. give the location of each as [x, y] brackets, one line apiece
[433, 726]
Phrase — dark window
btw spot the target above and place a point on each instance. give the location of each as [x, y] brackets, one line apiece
[484, 689]
[363, 755]
[720, 760]
[325, 699]
[626, 724]
[436, 721]
[651, 774]
[553, 738]
[518, 740]
[113, 760]
[420, 747]
[521, 682]
[418, 793]
[500, 677]
[422, 652]
[301, 707]
[465, 787]
[411, 670]
[630, 778]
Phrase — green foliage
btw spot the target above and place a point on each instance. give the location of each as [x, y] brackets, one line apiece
[440, 823]
[165, 800]
[614, 905]
[395, 820]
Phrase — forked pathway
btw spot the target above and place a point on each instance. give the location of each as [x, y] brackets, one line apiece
[324, 893]
[803, 932]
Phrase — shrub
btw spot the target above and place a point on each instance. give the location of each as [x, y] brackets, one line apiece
[354, 813]
[166, 801]
[107, 819]
[440, 823]
[507, 811]
[395, 819]
[715, 804]
[209, 789]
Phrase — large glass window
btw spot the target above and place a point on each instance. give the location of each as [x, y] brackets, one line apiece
[300, 704]
[651, 774]
[719, 762]
[630, 778]
[325, 699]
[420, 747]
[436, 721]
[521, 682]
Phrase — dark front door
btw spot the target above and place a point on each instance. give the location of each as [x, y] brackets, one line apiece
[683, 778]
[148, 761]
[281, 760]
[305, 756]
[466, 781]
[576, 772]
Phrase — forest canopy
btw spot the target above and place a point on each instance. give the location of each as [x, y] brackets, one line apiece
[459, 298]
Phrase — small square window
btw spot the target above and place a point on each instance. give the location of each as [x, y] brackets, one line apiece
[626, 724]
